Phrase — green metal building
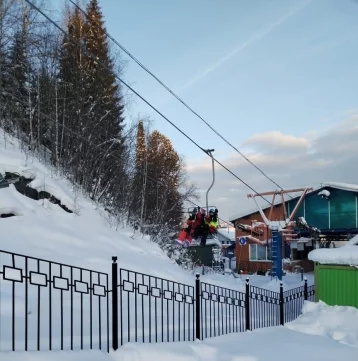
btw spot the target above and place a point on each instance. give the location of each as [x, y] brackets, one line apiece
[333, 209]
[336, 274]
[333, 206]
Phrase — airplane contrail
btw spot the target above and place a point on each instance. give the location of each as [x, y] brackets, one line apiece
[253, 38]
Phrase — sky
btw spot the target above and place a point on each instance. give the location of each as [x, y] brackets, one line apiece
[277, 78]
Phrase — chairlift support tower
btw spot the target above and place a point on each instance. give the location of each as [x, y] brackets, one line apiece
[281, 231]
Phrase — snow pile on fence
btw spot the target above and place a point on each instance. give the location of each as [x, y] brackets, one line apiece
[345, 255]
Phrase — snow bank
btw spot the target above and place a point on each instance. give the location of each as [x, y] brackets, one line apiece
[337, 322]
[274, 344]
[277, 344]
[345, 255]
[43, 178]
[353, 241]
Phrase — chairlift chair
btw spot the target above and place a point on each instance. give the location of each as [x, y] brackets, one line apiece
[182, 238]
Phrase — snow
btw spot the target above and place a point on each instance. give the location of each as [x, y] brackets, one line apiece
[345, 255]
[324, 193]
[228, 232]
[353, 241]
[343, 186]
[336, 322]
[87, 238]
[321, 333]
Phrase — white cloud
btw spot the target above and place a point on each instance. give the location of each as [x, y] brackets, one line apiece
[289, 160]
[276, 140]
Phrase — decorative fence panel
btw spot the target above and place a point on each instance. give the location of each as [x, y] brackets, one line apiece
[46, 305]
[51, 305]
[222, 311]
[264, 307]
[153, 309]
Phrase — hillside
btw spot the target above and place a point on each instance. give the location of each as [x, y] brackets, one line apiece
[86, 238]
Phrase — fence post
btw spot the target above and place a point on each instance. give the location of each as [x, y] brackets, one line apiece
[197, 307]
[247, 305]
[282, 319]
[305, 290]
[114, 303]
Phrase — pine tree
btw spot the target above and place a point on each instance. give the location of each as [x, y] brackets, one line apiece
[139, 181]
[19, 83]
[105, 103]
[72, 75]
[140, 146]
[162, 198]
[5, 97]
[95, 112]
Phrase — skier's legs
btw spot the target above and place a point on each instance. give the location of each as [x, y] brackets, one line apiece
[204, 236]
[197, 232]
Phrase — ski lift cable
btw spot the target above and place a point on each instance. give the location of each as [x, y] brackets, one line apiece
[179, 99]
[150, 105]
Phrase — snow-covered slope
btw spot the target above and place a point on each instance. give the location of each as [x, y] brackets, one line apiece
[84, 238]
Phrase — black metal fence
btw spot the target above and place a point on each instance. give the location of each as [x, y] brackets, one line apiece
[153, 309]
[222, 310]
[51, 305]
[47, 305]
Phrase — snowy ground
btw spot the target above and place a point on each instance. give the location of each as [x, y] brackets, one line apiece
[322, 333]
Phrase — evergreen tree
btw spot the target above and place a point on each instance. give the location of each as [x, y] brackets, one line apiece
[162, 197]
[5, 97]
[95, 112]
[140, 146]
[104, 100]
[19, 83]
[138, 183]
[72, 76]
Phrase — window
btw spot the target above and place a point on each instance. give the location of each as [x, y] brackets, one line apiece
[260, 253]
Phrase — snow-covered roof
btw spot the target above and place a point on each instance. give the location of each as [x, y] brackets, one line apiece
[345, 255]
[342, 186]
[229, 233]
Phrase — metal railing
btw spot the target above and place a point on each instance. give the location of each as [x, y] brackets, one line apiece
[51, 305]
[48, 305]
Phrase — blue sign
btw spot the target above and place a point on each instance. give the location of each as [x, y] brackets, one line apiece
[242, 241]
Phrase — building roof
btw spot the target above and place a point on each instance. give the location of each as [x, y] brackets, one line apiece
[342, 186]
[345, 255]
[228, 233]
